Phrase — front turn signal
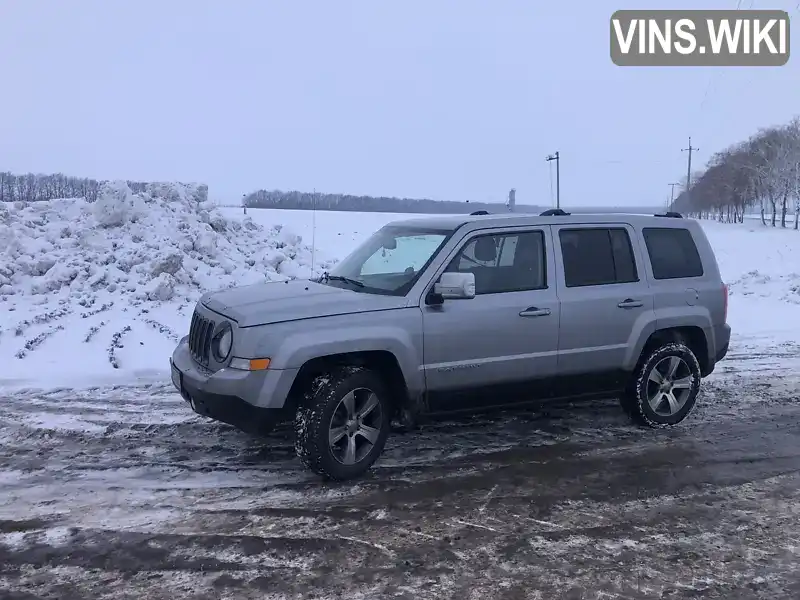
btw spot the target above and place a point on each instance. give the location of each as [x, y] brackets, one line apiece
[249, 364]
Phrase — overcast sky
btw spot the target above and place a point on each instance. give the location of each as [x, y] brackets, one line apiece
[453, 99]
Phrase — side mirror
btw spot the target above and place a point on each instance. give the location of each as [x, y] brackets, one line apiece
[455, 286]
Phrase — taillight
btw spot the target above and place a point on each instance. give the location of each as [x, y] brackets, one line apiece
[725, 300]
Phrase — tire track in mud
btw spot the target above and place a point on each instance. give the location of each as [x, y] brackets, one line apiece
[122, 492]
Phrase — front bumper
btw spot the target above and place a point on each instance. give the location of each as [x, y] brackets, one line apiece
[252, 401]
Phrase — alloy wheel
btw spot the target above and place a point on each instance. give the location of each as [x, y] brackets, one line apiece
[669, 386]
[355, 426]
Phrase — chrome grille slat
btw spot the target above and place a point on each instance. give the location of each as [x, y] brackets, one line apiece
[205, 339]
[200, 332]
[207, 347]
[193, 330]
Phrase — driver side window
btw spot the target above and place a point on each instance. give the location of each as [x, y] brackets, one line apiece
[504, 262]
[468, 258]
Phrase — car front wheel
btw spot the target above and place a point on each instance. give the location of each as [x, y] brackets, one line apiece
[664, 387]
[342, 423]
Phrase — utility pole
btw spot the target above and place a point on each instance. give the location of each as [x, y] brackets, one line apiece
[557, 158]
[690, 149]
[796, 196]
[313, 229]
[671, 194]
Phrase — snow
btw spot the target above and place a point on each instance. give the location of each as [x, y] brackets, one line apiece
[94, 294]
[761, 266]
[100, 292]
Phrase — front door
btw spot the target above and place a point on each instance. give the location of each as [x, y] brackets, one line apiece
[476, 349]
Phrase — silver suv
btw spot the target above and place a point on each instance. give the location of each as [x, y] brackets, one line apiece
[463, 313]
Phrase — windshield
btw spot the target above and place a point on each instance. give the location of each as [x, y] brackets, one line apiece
[389, 262]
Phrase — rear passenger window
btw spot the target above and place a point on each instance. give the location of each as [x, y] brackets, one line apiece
[673, 253]
[597, 256]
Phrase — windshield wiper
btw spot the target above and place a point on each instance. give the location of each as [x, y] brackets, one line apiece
[355, 282]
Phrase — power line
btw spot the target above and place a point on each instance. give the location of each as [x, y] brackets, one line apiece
[712, 78]
[615, 161]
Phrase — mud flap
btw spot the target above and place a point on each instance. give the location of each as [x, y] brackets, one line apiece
[412, 412]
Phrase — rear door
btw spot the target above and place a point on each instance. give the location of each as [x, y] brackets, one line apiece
[687, 288]
[605, 302]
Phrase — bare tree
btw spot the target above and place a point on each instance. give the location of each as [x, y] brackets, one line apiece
[32, 187]
[762, 171]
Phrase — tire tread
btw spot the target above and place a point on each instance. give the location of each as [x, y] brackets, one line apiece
[310, 423]
[633, 399]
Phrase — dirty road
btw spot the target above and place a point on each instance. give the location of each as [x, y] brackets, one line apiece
[123, 493]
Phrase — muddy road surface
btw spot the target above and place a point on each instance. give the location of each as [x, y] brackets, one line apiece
[123, 493]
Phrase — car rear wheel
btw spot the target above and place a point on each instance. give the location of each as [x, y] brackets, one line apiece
[342, 423]
[664, 387]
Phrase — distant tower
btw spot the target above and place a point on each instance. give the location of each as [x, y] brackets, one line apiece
[512, 200]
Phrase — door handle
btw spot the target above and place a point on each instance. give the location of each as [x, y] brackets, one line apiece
[629, 303]
[532, 311]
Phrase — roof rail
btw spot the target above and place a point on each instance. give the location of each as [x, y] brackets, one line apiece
[479, 212]
[554, 212]
[670, 214]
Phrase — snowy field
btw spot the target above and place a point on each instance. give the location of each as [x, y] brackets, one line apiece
[90, 305]
[110, 487]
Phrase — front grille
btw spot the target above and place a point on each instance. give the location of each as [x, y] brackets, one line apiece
[200, 338]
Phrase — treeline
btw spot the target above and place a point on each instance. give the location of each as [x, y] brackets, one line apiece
[35, 187]
[346, 202]
[761, 174]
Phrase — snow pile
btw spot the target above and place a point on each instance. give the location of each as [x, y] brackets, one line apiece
[169, 241]
[758, 263]
[104, 290]
[785, 287]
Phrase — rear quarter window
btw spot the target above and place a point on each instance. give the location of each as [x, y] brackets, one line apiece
[673, 252]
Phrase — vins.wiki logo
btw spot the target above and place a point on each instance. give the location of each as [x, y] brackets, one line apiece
[734, 38]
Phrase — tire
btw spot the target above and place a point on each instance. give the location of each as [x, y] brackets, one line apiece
[324, 407]
[650, 404]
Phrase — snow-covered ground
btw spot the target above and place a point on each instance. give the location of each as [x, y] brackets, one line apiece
[100, 294]
[121, 491]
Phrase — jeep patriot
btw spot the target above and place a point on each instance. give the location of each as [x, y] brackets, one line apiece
[440, 314]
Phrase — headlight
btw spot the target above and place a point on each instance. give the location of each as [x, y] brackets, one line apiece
[222, 343]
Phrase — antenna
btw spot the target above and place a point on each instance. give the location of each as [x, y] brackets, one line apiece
[313, 228]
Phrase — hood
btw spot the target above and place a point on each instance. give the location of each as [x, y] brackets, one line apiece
[277, 301]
